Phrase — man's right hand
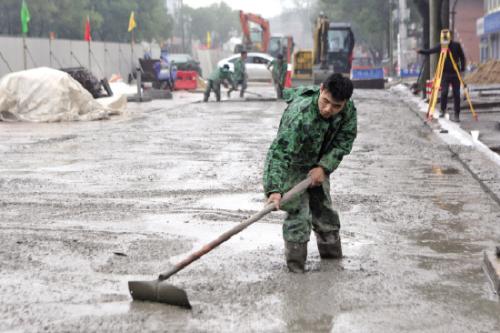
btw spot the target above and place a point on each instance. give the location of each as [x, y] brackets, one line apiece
[276, 199]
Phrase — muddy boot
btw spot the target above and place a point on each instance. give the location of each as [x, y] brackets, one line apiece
[455, 117]
[296, 254]
[441, 113]
[329, 245]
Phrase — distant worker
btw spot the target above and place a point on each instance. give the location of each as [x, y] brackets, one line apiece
[450, 76]
[240, 75]
[316, 131]
[166, 71]
[220, 75]
[279, 69]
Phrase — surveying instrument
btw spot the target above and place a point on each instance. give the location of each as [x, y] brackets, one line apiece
[445, 52]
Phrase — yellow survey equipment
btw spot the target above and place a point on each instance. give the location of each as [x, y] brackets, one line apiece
[445, 52]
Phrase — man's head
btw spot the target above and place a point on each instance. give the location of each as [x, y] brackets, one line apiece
[334, 93]
[280, 57]
[243, 54]
[225, 68]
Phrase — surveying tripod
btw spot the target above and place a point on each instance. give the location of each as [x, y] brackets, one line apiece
[445, 51]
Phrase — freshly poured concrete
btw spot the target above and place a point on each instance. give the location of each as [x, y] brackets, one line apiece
[86, 207]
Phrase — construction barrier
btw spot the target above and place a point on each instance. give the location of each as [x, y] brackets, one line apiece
[186, 80]
[369, 78]
[428, 89]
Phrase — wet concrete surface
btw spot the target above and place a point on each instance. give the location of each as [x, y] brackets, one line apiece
[86, 207]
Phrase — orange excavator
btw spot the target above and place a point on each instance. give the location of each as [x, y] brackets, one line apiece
[255, 39]
[260, 40]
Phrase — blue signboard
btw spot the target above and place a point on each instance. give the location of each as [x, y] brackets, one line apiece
[409, 72]
[367, 74]
[492, 23]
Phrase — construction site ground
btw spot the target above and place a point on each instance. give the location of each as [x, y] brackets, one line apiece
[87, 206]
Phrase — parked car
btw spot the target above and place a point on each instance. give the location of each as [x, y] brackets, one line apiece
[185, 62]
[256, 65]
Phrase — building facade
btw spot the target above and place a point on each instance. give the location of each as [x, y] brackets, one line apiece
[488, 29]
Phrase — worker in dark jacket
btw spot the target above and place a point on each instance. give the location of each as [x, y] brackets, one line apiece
[317, 130]
[450, 76]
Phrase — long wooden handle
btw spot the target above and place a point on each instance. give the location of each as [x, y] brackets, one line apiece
[297, 189]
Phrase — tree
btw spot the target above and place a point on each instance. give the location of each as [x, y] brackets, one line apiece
[108, 18]
[218, 18]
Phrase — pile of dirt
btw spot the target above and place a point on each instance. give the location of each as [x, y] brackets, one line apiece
[487, 73]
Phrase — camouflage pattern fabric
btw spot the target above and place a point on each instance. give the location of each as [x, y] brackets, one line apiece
[279, 71]
[306, 140]
[220, 75]
[240, 70]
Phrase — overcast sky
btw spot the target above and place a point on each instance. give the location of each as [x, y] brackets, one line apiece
[265, 8]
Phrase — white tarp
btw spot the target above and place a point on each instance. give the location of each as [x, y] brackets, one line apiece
[47, 95]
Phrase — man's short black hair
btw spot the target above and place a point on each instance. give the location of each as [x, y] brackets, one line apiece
[339, 86]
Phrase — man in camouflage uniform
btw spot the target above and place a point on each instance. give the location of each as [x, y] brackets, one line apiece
[220, 75]
[317, 129]
[239, 75]
[279, 69]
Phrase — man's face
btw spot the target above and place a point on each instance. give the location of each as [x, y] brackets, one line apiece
[328, 106]
[244, 56]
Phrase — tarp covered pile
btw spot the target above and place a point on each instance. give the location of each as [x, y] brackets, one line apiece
[47, 95]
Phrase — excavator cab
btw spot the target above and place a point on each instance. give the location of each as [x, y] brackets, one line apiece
[340, 47]
[333, 49]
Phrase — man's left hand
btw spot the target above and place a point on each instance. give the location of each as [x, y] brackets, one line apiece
[318, 176]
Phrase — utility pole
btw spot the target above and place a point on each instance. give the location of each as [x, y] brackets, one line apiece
[391, 39]
[434, 31]
[445, 14]
[181, 11]
[453, 12]
[402, 36]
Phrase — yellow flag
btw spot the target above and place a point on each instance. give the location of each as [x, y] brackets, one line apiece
[131, 22]
[209, 40]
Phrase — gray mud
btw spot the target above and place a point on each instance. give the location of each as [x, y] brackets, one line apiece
[85, 207]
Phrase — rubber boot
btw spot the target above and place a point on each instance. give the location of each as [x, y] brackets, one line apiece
[296, 254]
[455, 117]
[329, 245]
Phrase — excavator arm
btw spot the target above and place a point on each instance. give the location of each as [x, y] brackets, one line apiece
[245, 19]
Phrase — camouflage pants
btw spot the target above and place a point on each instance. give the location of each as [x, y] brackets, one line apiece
[212, 85]
[312, 210]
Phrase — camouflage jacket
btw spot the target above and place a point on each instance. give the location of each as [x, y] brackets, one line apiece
[219, 75]
[306, 140]
[240, 70]
[279, 72]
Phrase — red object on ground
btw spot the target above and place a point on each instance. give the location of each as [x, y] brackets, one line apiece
[288, 79]
[186, 80]
[428, 89]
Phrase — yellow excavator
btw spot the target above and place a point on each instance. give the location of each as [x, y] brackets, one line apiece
[332, 52]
